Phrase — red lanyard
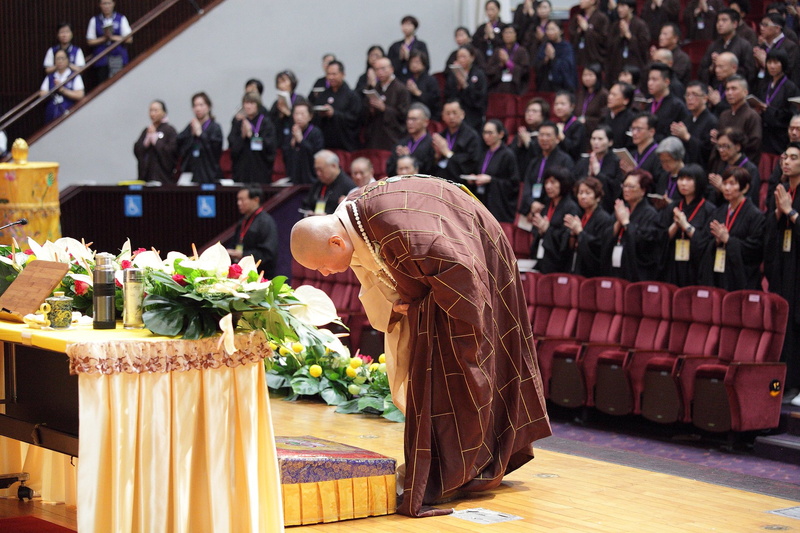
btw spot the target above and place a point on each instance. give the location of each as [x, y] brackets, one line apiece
[246, 225]
[586, 217]
[550, 210]
[730, 221]
[696, 209]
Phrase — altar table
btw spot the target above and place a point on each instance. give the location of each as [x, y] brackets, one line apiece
[175, 436]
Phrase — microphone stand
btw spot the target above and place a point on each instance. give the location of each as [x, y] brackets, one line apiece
[20, 222]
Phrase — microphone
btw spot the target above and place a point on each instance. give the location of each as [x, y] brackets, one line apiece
[20, 222]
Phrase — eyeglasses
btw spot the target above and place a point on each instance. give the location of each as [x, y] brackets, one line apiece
[764, 24]
[694, 95]
[630, 186]
[725, 146]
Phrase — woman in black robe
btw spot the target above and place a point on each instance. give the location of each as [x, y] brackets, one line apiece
[551, 237]
[571, 131]
[588, 231]
[200, 144]
[733, 253]
[497, 184]
[602, 164]
[775, 90]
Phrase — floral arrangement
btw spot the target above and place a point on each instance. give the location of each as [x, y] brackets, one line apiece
[199, 296]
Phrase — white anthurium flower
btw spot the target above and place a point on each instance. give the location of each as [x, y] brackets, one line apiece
[82, 277]
[228, 335]
[248, 265]
[125, 252]
[316, 307]
[228, 289]
[148, 259]
[169, 262]
[335, 345]
[56, 252]
[253, 286]
[79, 250]
[215, 259]
[119, 277]
[38, 251]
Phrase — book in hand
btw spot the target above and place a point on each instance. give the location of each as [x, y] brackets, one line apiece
[468, 177]
[456, 68]
[372, 94]
[625, 155]
[319, 108]
[794, 99]
[755, 101]
[523, 224]
[286, 97]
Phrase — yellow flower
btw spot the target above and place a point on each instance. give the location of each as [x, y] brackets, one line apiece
[373, 367]
[356, 362]
[315, 371]
[351, 372]
[297, 347]
[382, 368]
[284, 351]
[354, 389]
[273, 346]
[382, 358]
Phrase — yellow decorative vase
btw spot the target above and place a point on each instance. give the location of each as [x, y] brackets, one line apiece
[19, 151]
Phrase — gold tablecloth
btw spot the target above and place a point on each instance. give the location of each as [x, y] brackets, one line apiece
[30, 191]
[175, 436]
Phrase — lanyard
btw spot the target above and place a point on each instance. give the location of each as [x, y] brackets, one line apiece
[570, 122]
[487, 159]
[308, 130]
[206, 124]
[586, 102]
[655, 106]
[412, 144]
[586, 217]
[246, 225]
[730, 221]
[696, 209]
[743, 162]
[257, 126]
[452, 142]
[771, 94]
[541, 170]
[551, 209]
[642, 159]
[672, 183]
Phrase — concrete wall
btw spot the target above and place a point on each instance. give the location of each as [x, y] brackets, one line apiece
[238, 40]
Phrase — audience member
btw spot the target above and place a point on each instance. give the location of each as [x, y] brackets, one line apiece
[551, 156]
[361, 172]
[487, 36]
[632, 75]
[628, 41]
[74, 53]
[423, 87]
[741, 117]
[774, 106]
[338, 111]
[695, 132]
[303, 142]
[332, 183]
[664, 56]
[743, 29]
[551, 237]
[771, 39]
[315, 96]
[418, 143]
[690, 212]
[643, 130]
[537, 33]
[588, 231]
[105, 29]
[508, 68]
[633, 247]
[65, 96]
[156, 150]
[602, 164]
[571, 131]
[656, 13]
[407, 165]
[700, 17]
[254, 85]
[729, 154]
[369, 79]
[794, 136]
[400, 52]
[592, 97]
[525, 145]
[497, 183]
[281, 112]
[781, 264]
[725, 67]
[727, 41]
[467, 83]
[252, 143]
[256, 234]
[555, 61]
[525, 16]
[457, 151]
[385, 106]
[666, 107]
[588, 32]
[618, 114]
[200, 144]
[671, 154]
[732, 255]
[462, 37]
[669, 38]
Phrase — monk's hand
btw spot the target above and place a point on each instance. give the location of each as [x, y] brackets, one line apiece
[399, 307]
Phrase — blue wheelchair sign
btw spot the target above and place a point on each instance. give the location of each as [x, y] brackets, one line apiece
[206, 206]
[133, 205]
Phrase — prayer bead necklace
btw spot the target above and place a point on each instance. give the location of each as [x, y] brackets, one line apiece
[377, 258]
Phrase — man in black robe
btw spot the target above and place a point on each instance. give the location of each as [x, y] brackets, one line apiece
[695, 132]
[256, 234]
[456, 151]
[337, 111]
[331, 186]
[418, 143]
[384, 107]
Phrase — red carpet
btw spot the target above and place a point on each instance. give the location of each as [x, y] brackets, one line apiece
[30, 524]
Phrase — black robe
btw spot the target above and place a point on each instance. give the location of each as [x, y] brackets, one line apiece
[647, 159]
[574, 137]
[340, 130]
[672, 109]
[775, 118]
[422, 152]
[260, 240]
[698, 147]
[518, 82]
[685, 273]
[382, 129]
[330, 194]
[534, 177]
[588, 260]
[299, 159]
[590, 46]
[743, 252]
[157, 161]
[466, 154]
[555, 241]
[200, 155]
[431, 96]
[500, 195]
[610, 176]
[253, 166]
[400, 66]
[641, 246]
[473, 97]
[620, 124]
[739, 47]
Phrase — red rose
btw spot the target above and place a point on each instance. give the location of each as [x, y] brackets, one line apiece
[10, 256]
[125, 264]
[81, 287]
[366, 358]
[118, 283]
[234, 271]
[28, 252]
[180, 279]
[138, 251]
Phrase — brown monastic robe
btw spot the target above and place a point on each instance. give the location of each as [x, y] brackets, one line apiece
[474, 401]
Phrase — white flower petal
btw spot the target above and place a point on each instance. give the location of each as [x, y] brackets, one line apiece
[227, 337]
[316, 309]
[248, 265]
[148, 259]
[125, 253]
[81, 277]
[215, 259]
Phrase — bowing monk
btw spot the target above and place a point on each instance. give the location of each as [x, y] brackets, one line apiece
[440, 279]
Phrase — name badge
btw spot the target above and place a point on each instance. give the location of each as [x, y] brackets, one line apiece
[506, 76]
[625, 52]
[256, 144]
[239, 248]
[719, 261]
[196, 152]
[701, 25]
[536, 191]
[442, 162]
[481, 189]
[319, 209]
[582, 44]
[787, 240]
[681, 249]
[540, 250]
[616, 256]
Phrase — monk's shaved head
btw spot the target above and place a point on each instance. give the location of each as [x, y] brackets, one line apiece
[321, 243]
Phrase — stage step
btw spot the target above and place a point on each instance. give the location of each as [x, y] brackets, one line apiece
[784, 448]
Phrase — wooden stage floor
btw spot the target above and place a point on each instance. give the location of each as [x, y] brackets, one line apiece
[556, 492]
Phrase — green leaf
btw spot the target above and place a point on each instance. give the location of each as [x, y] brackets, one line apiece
[305, 385]
[394, 414]
[349, 407]
[333, 396]
[370, 402]
[276, 381]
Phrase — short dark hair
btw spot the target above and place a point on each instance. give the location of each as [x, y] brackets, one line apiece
[675, 28]
[628, 91]
[698, 174]
[549, 124]
[652, 121]
[336, 63]
[562, 175]
[645, 179]
[162, 104]
[464, 29]
[412, 19]
[779, 54]
[665, 70]
[544, 104]
[734, 135]
[254, 190]
[775, 18]
[290, 75]
[598, 71]
[501, 129]
[635, 72]
[422, 57]
[469, 48]
[737, 79]
[744, 5]
[302, 101]
[257, 83]
[495, 2]
[64, 24]
[605, 128]
[780, 7]
[740, 174]
[732, 14]
[569, 94]
[700, 85]
[592, 183]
